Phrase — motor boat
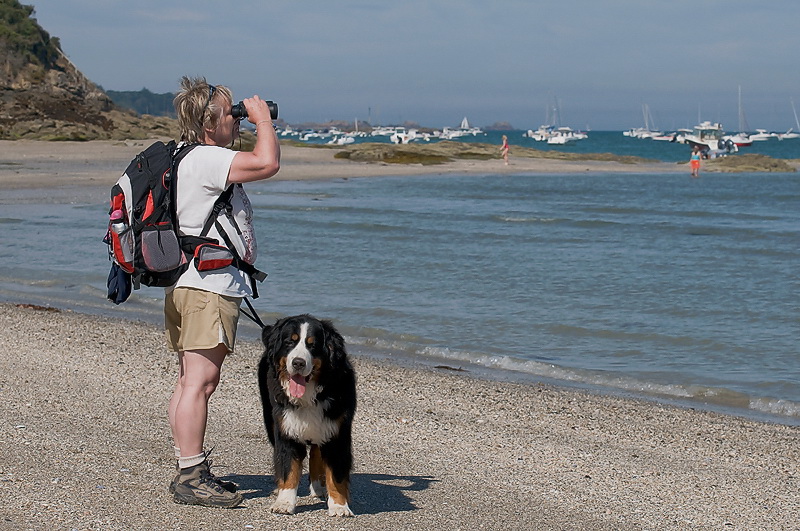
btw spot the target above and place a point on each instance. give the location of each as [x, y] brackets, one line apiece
[709, 136]
[563, 135]
[740, 139]
[761, 135]
[705, 134]
[540, 135]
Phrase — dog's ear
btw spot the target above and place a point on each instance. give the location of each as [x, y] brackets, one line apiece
[334, 343]
[271, 337]
[265, 333]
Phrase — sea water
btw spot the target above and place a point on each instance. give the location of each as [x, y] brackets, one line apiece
[662, 286]
[613, 142]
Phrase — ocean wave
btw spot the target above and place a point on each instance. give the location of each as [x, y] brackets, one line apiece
[773, 406]
[502, 367]
[525, 219]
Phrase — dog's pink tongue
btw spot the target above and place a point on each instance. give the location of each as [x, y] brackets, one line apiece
[297, 386]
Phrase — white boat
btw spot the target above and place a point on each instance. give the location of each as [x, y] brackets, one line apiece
[704, 134]
[761, 135]
[646, 132]
[288, 131]
[547, 130]
[382, 130]
[401, 135]
[669, 137]
[741, 139]
[341, 140]
[540, 135]
[789, 134]
[557, 140]
[709, 136]
[313, 134]
[563, 135]
[642, 133]
[463, 130]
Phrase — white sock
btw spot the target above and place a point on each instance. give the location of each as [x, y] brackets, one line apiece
[177, 452]
[186, 462]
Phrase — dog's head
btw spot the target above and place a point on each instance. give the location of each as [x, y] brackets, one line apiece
[302, 350]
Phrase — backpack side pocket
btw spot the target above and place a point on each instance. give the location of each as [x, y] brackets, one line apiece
[120, 237]
[161, 250]
[212, 256]
[122, 246]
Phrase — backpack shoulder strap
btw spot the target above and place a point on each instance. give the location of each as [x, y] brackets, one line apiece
[177, 153]
[248, 269]
[223, 202]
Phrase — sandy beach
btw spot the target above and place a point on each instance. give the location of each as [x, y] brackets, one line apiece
[86, 446]
[31, 164]
[86, 443]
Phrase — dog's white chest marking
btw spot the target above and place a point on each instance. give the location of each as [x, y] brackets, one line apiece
[308, 424]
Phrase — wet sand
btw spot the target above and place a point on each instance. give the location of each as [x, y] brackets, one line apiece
[31, 164]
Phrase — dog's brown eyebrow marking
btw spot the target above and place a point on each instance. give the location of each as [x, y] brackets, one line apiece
[310, 340]
[295, 337]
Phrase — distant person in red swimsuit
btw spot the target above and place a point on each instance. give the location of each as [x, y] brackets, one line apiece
[694, 161]
[504, 149]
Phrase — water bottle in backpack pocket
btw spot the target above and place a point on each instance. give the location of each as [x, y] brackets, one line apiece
[121, 240]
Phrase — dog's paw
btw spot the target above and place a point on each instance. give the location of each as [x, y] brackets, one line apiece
[335, 509]
[282, 508]
[286, 502]
[318, 490]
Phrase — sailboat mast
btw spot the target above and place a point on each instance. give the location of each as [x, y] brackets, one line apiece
[743, 125]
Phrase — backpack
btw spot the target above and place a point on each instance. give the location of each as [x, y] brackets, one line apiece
[143, 238]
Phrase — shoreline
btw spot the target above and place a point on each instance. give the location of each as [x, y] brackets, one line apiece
[28, 164]
[82, 172]
[87, 446]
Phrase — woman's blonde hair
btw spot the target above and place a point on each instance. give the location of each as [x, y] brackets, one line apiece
[197, 107]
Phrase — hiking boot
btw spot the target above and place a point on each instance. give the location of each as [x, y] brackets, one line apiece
[197, 486]
[227, 485]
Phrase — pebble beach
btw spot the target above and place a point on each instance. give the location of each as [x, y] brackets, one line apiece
[85, 443]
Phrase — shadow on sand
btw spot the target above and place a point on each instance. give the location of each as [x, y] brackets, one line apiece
[370, 493]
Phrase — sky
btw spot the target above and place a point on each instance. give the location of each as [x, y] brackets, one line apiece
[435, 62]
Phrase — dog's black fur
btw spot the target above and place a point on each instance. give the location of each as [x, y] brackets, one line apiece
[321, 417]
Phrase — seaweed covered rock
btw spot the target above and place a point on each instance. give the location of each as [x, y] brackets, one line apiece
[750, 163]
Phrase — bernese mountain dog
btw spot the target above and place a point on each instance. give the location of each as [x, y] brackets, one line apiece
[308, 393]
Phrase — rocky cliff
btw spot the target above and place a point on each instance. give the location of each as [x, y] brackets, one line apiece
[44, 96]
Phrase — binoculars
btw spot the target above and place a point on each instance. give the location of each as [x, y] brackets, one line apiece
[239, 110]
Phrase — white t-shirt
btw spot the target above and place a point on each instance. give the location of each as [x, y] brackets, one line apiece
[202, 177]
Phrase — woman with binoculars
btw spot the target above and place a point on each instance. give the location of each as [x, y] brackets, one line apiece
[202, 308]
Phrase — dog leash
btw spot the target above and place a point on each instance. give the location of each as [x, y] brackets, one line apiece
[253, 315]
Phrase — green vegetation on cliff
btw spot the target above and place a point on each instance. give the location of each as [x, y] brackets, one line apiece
[22, 34]
[44, 96]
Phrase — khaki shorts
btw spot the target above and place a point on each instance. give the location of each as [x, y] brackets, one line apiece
[199, 320]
